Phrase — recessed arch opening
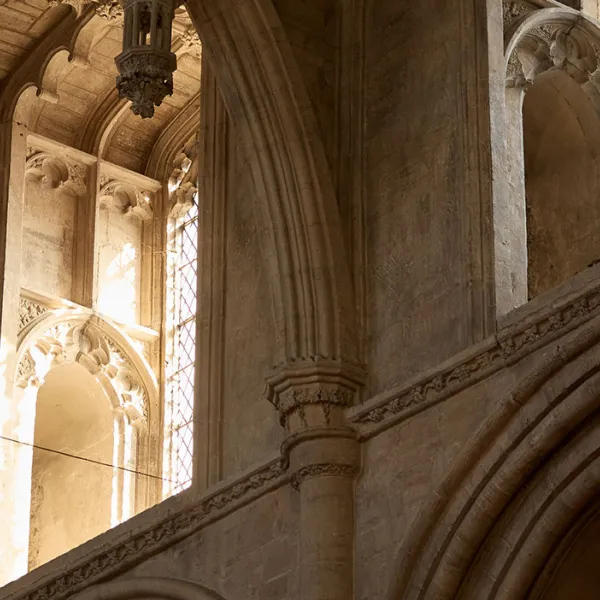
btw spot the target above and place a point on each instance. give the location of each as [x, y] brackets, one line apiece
[561, 135]
[74, 446]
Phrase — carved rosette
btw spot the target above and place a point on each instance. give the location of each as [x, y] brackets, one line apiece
[55, 172]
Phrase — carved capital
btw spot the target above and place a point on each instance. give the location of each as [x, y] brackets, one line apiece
[314, 393]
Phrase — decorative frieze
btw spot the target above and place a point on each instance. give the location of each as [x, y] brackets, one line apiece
[493, 356]
[323, 470]
[128, 550]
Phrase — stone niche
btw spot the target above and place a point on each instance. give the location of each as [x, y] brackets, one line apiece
[54, 191]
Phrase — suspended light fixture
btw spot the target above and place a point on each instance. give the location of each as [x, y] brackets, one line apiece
[146, 65]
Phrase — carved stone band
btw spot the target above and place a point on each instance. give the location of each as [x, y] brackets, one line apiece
[323, 470]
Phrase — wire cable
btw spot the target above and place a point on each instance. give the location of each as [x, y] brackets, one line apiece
[83, 458]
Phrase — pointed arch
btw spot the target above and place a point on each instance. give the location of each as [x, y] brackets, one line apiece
[521, 484]
[162, 588]
[267, 100]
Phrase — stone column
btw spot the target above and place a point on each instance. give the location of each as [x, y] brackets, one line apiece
[324, 461]
[510, 222]
[14, 458]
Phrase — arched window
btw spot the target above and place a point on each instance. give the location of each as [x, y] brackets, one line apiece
[182, 279]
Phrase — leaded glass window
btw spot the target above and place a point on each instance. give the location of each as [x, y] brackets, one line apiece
[182, 275]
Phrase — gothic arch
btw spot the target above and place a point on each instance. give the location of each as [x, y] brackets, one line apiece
[518, 488]
[263, 89]
[160, 588]
[107, 353]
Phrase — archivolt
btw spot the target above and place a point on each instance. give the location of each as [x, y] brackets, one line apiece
[146, 588]
[265, 95]
[517, 489]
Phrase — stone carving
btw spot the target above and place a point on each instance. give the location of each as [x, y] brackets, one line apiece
[125, 197]
[183, 180]
[513, 10]
[29, 311]
[25, 370]
[111, 10]
[153, 538]
[552, 46]
[468, 372]
[190, 42]
[298, 398]
[322, 470]
[55, 172]
[86, 344]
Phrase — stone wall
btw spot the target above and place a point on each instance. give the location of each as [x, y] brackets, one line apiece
[423, 276]
[49, 226]
[250, 426]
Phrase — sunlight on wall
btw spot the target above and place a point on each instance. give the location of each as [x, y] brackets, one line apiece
[118, 294]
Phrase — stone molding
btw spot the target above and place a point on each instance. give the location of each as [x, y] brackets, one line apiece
[323, 470]
[508, 346]
[142, 536]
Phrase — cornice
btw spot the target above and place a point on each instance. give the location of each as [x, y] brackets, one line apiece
[146, 534]
[541, 321]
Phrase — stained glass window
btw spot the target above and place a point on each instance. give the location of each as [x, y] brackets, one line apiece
[182, 275]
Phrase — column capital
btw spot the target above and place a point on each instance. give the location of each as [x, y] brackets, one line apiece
[314, 393]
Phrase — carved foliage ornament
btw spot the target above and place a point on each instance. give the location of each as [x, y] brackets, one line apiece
[86, 344]
[183, 180]
[29, 311]
[55, 172]
[552, 46]
[125, 197]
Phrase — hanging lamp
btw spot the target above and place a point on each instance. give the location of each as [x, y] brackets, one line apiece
[146, 64]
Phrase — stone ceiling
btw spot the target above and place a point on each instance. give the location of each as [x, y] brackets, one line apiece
[78, 104]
